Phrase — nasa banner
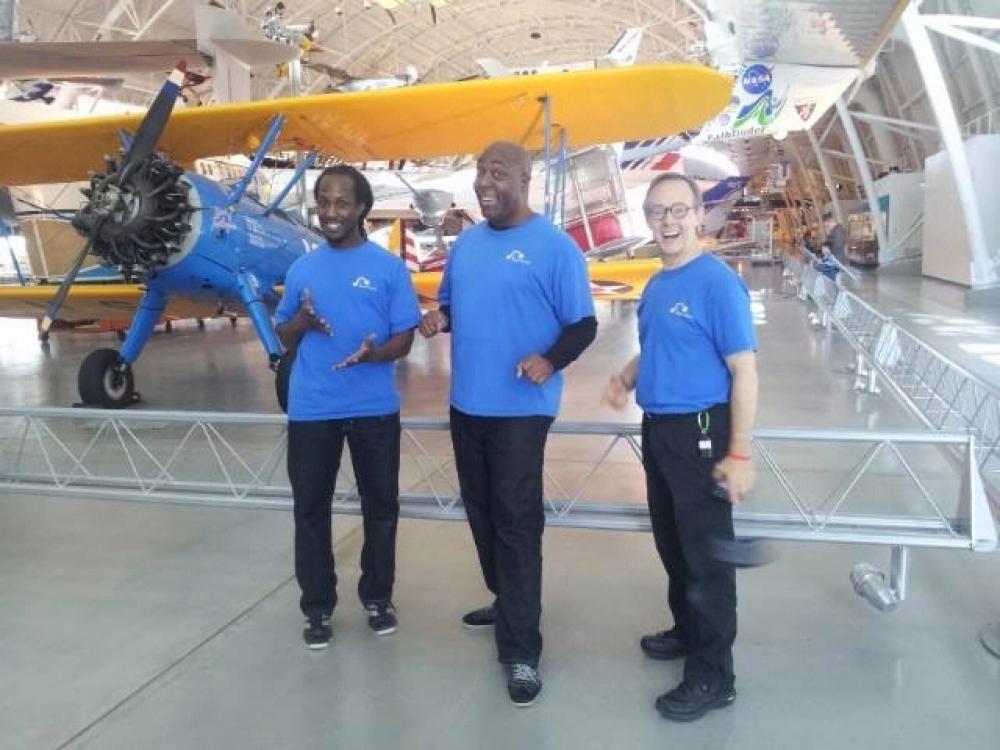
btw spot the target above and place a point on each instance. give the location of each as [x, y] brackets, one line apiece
[777, 99]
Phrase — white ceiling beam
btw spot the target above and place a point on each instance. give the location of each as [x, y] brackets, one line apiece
[866, 117]
[111, 18]
[963, 36]
[164, 7]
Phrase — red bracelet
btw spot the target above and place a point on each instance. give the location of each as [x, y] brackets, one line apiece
[739, 456]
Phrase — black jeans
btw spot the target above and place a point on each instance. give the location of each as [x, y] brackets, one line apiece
[314, 451]
[685, 516]
[499, 462]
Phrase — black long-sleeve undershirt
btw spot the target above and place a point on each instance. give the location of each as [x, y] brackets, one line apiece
[573, 339]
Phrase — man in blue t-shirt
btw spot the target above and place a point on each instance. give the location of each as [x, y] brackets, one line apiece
[516, 299]
[348, 312]
[696, 380]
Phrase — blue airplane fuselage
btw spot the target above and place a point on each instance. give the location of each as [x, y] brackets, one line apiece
[235, 253]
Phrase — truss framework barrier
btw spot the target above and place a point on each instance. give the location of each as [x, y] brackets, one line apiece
[893, 491]
[942, 394]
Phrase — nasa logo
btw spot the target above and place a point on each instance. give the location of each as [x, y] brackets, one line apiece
[756, 79]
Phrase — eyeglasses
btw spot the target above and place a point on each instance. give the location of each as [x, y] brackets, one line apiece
[657, 212]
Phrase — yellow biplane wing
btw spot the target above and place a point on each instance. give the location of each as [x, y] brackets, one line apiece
[92, 302]
[622, 280]
[594, 106]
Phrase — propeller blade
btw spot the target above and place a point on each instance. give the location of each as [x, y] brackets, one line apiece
[155, 121]
[57, 302]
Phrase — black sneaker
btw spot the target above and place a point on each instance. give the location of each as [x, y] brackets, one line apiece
[480, 618]
[664, 645]
[523, 685]
[318, 632]
[690, 700]
[381, 617]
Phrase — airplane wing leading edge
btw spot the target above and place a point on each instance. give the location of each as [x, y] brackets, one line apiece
[594, 106]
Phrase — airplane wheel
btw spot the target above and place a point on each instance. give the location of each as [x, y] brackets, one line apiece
[105, 381]
[282, 377]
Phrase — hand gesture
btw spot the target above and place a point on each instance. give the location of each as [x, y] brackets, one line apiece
[737, 475]
[433, 323]
[364, 353]
[615, 392]
[307, 314]
[535, 368]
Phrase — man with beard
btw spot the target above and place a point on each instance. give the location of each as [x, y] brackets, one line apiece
[349, 311]
[516, 300]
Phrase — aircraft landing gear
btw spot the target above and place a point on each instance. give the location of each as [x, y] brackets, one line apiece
[106, 381]
[282, 377]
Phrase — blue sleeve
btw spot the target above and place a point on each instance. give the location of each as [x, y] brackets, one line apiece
[404, 310]
[290, 298]
[732, 320]
[571, 284]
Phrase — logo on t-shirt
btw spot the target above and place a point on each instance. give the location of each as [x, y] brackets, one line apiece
[681, 310]
[516, 256]
[362, 282]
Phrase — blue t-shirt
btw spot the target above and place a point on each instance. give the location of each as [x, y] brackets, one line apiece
[511, 292]
[358, 291]
[690, 319]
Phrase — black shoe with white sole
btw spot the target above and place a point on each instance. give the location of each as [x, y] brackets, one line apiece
[477, 619]
[318, 632]
[381, 617]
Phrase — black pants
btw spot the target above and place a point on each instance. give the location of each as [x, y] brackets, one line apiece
[685, 516]
[314, 451]
[499, 462]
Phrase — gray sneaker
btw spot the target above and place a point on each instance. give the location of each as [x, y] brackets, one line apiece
[523, 684]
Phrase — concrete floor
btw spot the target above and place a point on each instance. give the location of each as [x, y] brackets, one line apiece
[129, 626]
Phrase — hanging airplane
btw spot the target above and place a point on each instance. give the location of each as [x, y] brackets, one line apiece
[195, 244]
[623, 52]
[343, 81]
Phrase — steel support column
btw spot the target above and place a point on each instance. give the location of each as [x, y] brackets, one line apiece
[865, 172]
[838, 210]
[807, 179]
[982, 270]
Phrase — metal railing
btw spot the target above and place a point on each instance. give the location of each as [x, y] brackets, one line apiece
[876, 488]
[940, 393]
[985, 124]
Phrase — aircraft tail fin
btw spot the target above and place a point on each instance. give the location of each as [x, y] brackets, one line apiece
[626, 48]
[492, 67]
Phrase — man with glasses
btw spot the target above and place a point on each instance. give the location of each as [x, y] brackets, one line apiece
[696, 381]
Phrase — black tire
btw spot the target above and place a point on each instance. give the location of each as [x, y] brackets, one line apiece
[282, 378]
[103, 382]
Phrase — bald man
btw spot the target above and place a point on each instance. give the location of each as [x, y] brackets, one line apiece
[516, 299]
